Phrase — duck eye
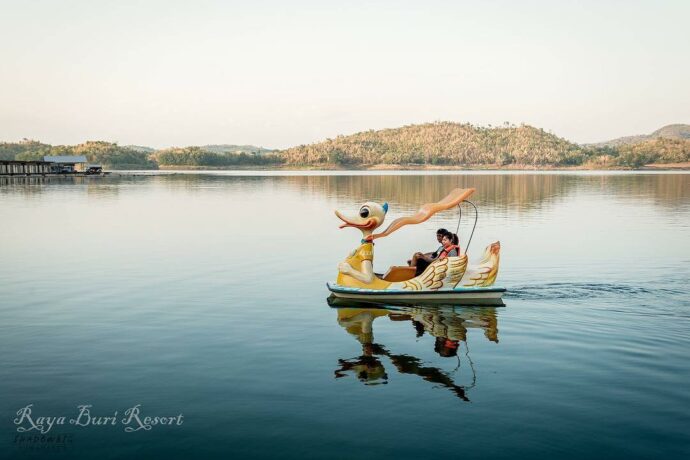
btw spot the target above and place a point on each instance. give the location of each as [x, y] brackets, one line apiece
[364, 212]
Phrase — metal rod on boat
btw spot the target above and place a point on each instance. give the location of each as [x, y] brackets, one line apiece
[476, 217]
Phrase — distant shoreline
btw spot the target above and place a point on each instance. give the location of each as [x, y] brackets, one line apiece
[416, 167]
[444, 146]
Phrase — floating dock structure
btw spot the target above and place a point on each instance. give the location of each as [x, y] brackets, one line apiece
[25, 168]
[56, 165]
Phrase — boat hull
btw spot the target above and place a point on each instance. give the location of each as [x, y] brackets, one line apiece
[459, 296]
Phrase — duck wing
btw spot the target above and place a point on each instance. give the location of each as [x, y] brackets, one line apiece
[485, 272]
[441, 273]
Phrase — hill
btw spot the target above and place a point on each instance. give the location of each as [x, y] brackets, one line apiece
[139, 148]
[673, 132]
[431, 144]
[222, 149]
[656, 150]
[442, 143]
[677, 131]
[202, 157]
[11, 150]
[111, 156]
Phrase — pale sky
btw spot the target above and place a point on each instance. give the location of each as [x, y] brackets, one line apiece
[283, 73]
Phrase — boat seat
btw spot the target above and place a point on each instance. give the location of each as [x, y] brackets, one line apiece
[399, 273]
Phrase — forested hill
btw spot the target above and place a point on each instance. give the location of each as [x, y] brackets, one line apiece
[231, 148]
[676, 132]
[456, 144]
[113, 156]
[442, 143]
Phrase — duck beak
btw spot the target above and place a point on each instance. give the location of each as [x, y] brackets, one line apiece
[357, 222]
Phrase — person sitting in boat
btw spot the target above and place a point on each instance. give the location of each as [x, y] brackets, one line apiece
[422, 260]
[450, 246]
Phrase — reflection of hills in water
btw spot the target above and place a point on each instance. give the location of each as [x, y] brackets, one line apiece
[448, 326]
[515, 191]
[500, 190]
[519, 191]
[664, 189]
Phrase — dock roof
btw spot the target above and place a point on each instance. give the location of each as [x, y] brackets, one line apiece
[65, 159]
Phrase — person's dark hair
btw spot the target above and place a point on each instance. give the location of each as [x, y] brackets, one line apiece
[452, 237]
[441, 231]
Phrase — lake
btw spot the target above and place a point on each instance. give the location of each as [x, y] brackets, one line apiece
[201, 297]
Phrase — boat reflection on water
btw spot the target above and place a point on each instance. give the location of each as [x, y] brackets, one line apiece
[448, 325]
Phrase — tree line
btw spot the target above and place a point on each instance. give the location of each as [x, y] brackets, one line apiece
[196, 156]
[114, 156]
[441, 143]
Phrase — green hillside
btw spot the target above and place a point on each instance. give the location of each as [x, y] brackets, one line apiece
[673, 132]
[658, 150]
[430, 144]
[200, 156]
[139, 148]
[108, 154]
[442, 143]
[677, 131]
[12, 150]
[235, 149]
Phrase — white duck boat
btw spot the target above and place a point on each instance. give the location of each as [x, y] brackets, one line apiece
[446, 280]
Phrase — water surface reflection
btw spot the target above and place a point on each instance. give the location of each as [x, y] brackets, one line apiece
[118, 291]
[448, 325]
[498, 191]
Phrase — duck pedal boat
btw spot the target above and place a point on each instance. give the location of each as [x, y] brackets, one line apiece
[448, 280]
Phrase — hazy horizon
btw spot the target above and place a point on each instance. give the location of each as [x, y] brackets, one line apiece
[277, 75]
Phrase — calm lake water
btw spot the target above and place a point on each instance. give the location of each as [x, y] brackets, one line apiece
[204, 295]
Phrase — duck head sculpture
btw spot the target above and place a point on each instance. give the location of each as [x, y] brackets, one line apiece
[357, 270]
[369, 217]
